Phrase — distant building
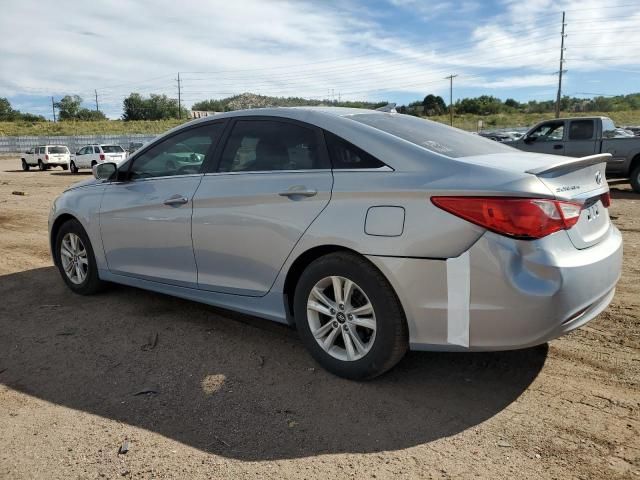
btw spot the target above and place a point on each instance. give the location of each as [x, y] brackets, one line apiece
[201, 114]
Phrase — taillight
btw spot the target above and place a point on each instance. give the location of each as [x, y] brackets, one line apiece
[102, 156]
[46, 156]
[524, 218]
[606, 199]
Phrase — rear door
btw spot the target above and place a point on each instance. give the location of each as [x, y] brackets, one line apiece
[581, 138]
[145, 220]
[274, 178]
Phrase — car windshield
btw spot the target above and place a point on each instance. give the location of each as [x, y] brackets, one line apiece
[433, 136]
[58, 150]
[112, 149]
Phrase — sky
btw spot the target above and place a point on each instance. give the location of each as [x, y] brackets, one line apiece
[394, 50]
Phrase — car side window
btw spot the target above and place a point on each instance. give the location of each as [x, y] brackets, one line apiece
[266, 145]
[345, 155]
[96, 149]
[581, 130]
[180, 154]
[551, 131]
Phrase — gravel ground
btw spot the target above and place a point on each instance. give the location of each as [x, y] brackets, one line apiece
[198, 392]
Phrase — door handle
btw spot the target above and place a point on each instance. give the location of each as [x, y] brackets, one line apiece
[298, 191]
[557, 146]
[176, 200]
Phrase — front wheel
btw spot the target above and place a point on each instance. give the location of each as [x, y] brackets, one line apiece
[635, 179]
[75, 259]
[25, 165]
[73, 168]
[349, 317]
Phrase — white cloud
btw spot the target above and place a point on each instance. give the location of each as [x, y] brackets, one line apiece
[288, 47]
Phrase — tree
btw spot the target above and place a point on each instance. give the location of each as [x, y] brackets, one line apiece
[68, 107]
[7, 113]
[156, 107]
[434, 105]
[511, 103]
[90, 115]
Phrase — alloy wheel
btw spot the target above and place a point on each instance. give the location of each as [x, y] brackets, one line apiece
[341, 318]
[74, 258]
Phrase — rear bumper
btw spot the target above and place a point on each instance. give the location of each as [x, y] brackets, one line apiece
[521, 293]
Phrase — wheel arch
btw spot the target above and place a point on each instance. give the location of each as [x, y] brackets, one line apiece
[55, 228]
[300, 264]
[635, 161]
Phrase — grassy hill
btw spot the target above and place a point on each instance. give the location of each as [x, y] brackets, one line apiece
[466, 122]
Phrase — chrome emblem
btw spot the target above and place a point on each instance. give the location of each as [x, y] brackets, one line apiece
[598, 177]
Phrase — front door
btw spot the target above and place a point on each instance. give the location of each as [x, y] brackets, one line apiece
[546, 138]
[273, 180]
[145, 220]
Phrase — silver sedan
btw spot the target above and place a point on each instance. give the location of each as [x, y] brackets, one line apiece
[370, 232]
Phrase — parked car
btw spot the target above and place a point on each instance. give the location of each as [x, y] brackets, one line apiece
[577, 137]
[133, 146]
[91, 155]
[45, 157]
[371, 232]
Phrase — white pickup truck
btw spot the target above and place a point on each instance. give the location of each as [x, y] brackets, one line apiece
[583, 136]
[45, 157]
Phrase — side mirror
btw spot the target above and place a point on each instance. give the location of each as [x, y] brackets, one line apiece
[104, 171]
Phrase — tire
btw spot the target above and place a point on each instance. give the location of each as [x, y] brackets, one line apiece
[93, 163]
[25, 165]
[41, 166]
[73, 168]
[90, 283]
[65, 167]
[635, 178]
[380, 348]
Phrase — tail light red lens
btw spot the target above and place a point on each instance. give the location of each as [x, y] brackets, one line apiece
[102, 156]
[606, 199]
[524, 218]
[46, 157]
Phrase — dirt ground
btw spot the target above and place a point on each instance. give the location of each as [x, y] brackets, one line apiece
[202, 393]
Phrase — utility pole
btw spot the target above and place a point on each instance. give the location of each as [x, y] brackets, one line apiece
[561, 71]
[53, 109]
[179, 98]
[97, 107]
[450, 78]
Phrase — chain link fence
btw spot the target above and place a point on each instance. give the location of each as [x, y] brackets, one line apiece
[17, 145]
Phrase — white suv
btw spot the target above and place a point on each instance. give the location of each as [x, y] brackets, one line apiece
[46, 156]
[91, 155]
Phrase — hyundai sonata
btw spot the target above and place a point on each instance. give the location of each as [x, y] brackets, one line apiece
[371, 232]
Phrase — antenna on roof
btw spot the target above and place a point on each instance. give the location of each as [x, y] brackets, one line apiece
[388, 108]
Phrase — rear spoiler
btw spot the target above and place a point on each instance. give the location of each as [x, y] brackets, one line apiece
[571, 163]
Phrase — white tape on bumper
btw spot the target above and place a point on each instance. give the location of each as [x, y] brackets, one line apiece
[458, 295]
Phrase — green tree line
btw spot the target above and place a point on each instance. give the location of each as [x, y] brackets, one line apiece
[433, 105]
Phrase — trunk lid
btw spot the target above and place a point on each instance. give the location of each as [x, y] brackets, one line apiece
[574, 179]
[583, 180]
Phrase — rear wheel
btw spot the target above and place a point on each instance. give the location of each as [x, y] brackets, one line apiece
[75, 259]
[41, 166]
[635, 178]
[25, 165]
[349, 317]
[73, 168]
[65, 167]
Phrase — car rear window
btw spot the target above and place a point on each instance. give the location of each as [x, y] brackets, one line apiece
[112, 149]
[58, 150]
[433, 136]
